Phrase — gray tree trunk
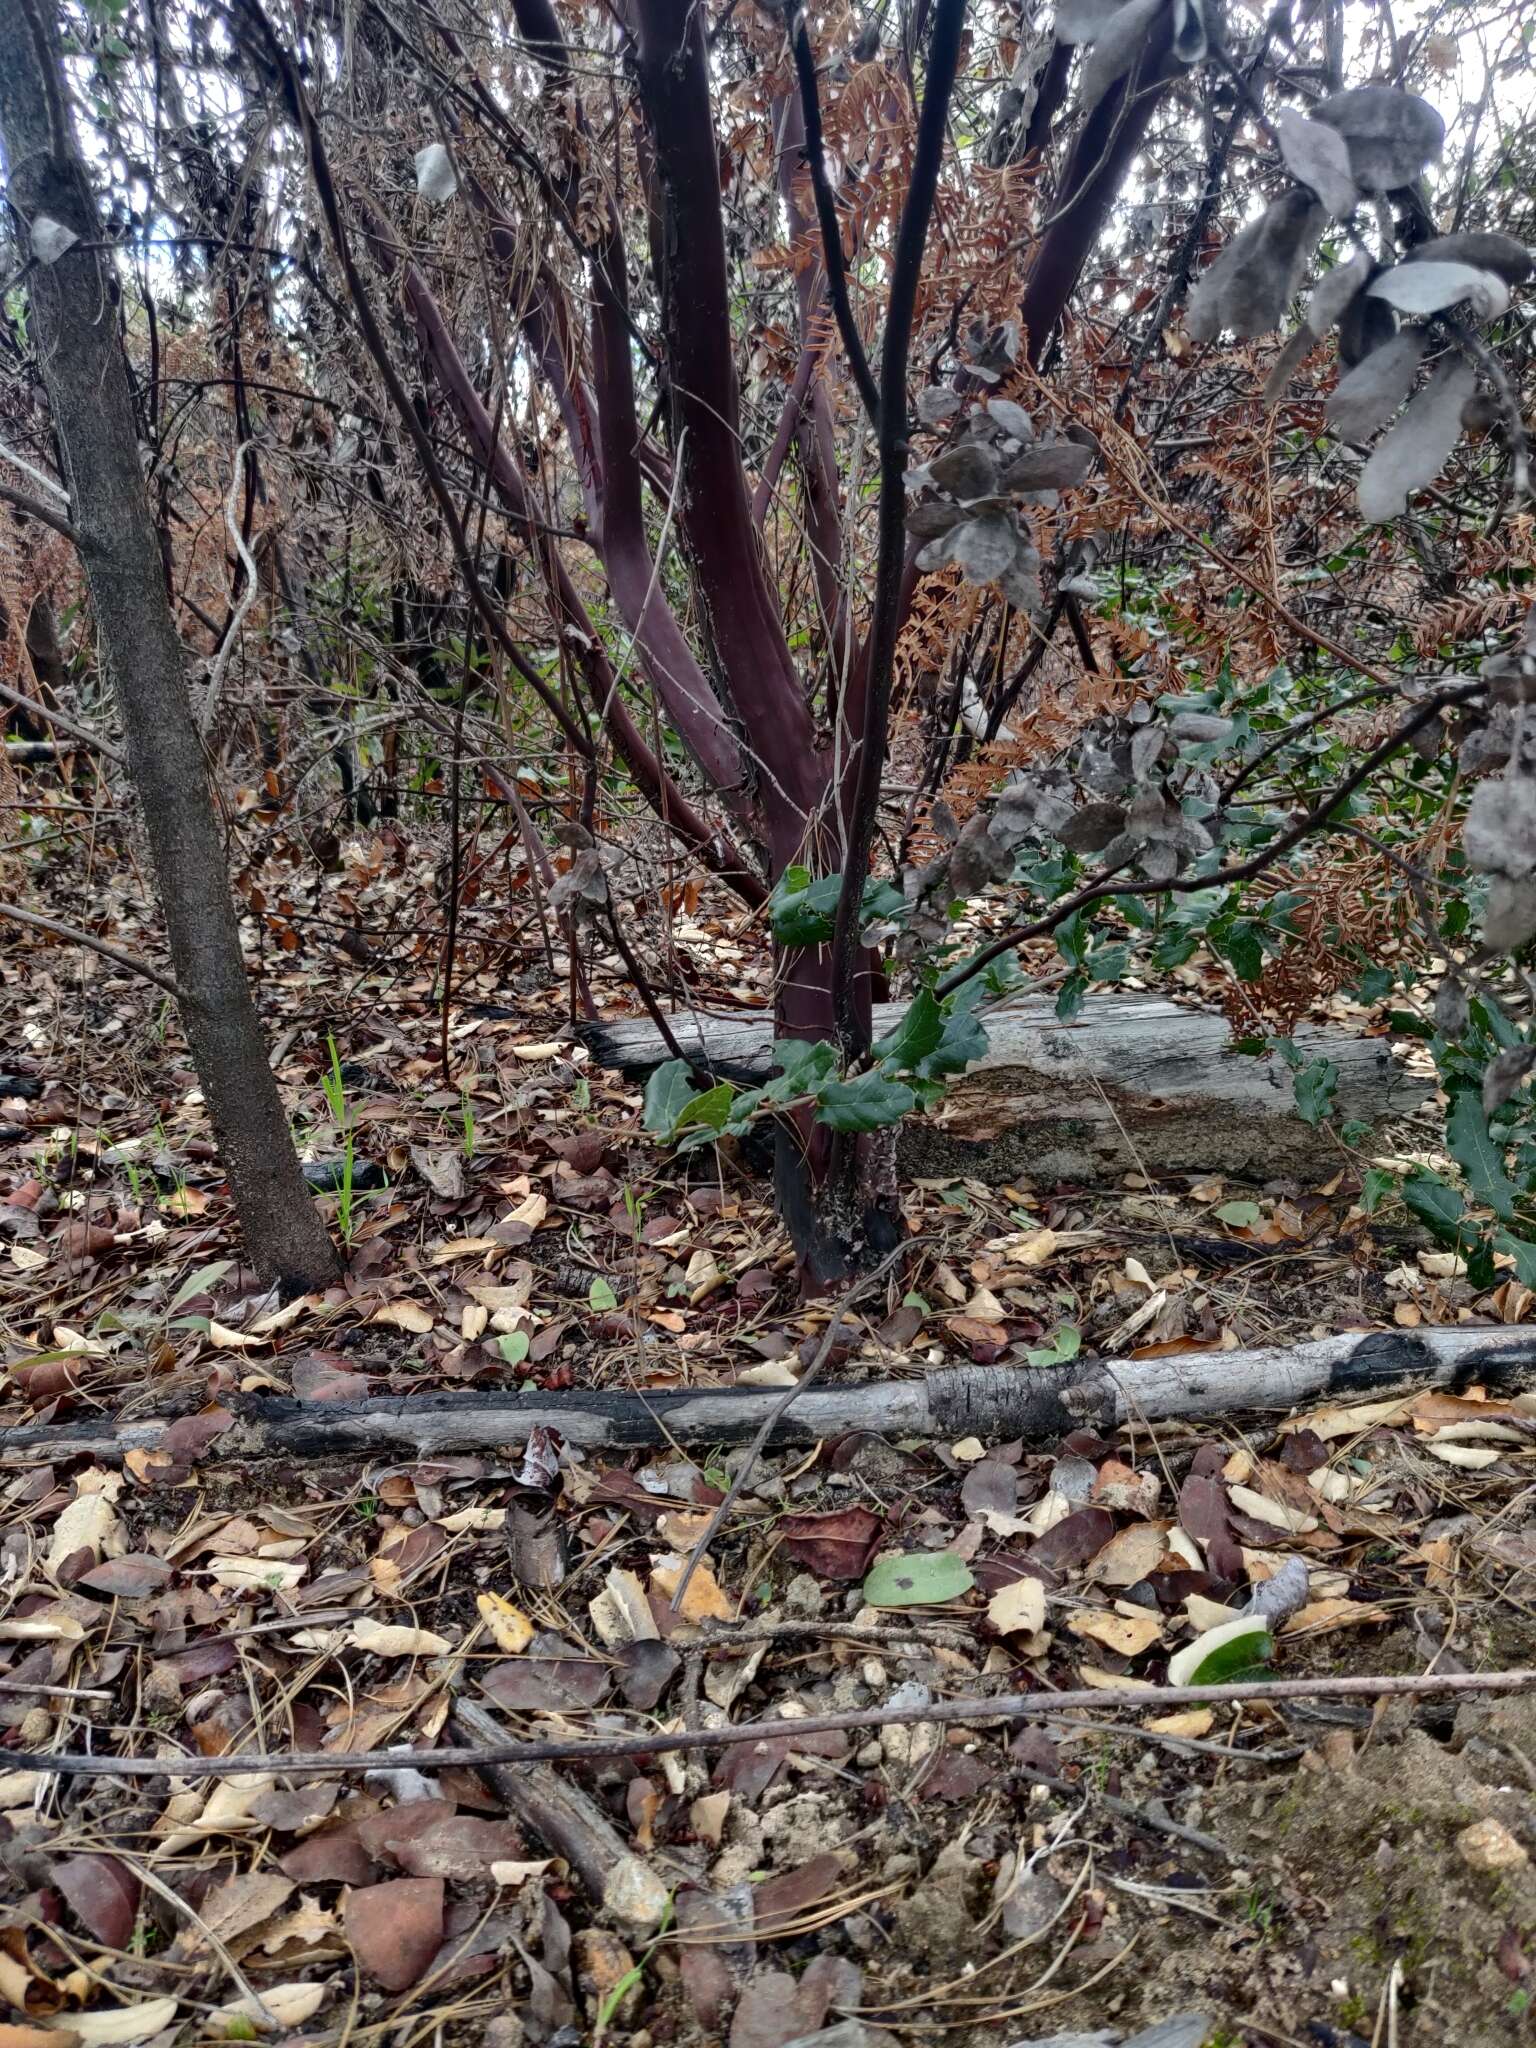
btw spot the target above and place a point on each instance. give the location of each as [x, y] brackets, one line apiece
[74, 312]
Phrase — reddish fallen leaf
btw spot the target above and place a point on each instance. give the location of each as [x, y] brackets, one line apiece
[550, 1676]
[190, 1435]
[395, 1929]
[324, 1376]
[336, 1857]
[461, 1849]
[1074, 1540]
[990, 1487]
[956, 1777]
[765, 2013]
[384, 1835]
[102, 1893]
[127, 1578]
[646, 1669]
[779, 1901]
[833, 1546]
[707, 1924]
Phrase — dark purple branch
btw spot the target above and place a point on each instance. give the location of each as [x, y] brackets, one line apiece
[867, 741]
[834, 261]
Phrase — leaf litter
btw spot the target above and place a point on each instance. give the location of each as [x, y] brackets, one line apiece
[857, 1886]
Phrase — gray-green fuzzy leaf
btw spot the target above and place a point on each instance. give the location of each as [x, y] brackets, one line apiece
[1418, 447]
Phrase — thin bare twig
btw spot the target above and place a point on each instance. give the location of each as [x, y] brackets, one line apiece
[656, 1742]
[777, 1411]
[89, 940]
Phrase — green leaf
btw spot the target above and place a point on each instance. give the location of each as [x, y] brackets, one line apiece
[866, 1103]
[963, 1039]
[1241, 945]
[712, 1108]
[1376, 1184]
[1242, 1215]
[1315, 1085]
[1479, 1155]
[1069, 997]
[666, 1092]
[805, 1068]
[1437, 1205]
[600, 1295]
[514, 1346]
[198, 1281]
[1522, 1252]
[1218, 1656]
[924, 1578]
[1065, 1344]
[916, 1035]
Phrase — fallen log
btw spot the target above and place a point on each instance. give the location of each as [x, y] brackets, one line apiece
[990, 1401]
[1132, 1081]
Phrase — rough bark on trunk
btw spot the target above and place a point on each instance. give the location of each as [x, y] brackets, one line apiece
[74, 301]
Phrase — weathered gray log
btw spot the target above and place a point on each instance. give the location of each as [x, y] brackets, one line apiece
[989, 1401]
[1133, 1080]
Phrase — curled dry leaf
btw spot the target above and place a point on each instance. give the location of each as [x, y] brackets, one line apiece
[385, 1639]
[510, 1628]
[1127, 1635]
[121, 2025]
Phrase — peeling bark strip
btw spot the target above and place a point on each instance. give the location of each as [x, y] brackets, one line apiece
[995, 1401]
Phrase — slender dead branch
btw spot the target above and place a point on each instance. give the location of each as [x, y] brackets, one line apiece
[961, 1711]
[777, 1412]
[130, 961]
[36, 508]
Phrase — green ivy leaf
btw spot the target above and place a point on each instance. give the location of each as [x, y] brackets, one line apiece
[1522, 1252]
[1064, 1345]
[1438, 1206]
[963, 1039]
[1376, 1183]
[1479, 1155]
[514, 1346]
[1315, 1085]
[923, 1578]
[600, 1295]
[666, 1093]
[805, 1068]
[916, 1035]
[866, 1103]
[1242, 1215]
[711, 1108]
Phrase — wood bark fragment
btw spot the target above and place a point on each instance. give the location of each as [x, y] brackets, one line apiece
[621, 1884]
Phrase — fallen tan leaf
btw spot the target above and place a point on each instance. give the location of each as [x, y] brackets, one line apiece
[1320, 1615]
[510, 1628]
[404, 1315]
[1018, 1608]
[705, 1599]
[1125, 1634]
[394, 1639]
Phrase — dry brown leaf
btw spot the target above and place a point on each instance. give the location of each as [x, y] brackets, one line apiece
[510, 1628]
[1018, 1608]
[705, 1599]
[1125, 1634]
[1320, 1615]
[404, 1315]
